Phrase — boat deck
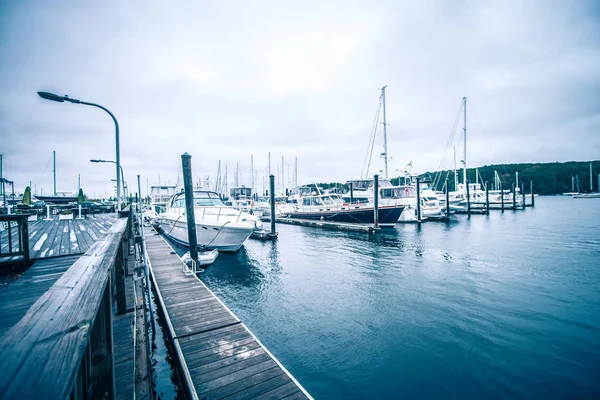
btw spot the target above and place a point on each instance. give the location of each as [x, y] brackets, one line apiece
[218, 356]
[342, 226]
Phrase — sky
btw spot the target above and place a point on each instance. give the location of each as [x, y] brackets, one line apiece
[227, 80]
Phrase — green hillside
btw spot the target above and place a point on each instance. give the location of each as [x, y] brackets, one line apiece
[548, 178]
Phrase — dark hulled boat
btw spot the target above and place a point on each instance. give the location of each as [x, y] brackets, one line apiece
[332, 208]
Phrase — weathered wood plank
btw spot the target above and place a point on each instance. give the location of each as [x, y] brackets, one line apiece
[49, 341]
[218, 355]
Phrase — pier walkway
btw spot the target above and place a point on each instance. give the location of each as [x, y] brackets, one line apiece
[61, 237]
[218, 356]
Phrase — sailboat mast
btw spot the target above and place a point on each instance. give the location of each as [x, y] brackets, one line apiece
[465, 139]
[252, 171]
[282, 174]
[296, 172]
[385, 150]
[591, 179]
[455, 174]
[54, 170]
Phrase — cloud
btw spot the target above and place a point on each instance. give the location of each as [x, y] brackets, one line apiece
[226, 80]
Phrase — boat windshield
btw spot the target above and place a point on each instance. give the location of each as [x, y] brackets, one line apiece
[207, 199]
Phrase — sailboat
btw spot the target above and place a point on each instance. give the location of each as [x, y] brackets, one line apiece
[591, 194]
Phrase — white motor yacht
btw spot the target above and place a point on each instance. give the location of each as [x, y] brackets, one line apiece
[217, 225]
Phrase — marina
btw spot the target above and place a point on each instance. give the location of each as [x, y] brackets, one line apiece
[300, 200]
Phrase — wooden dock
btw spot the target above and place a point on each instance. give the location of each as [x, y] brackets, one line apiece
[217, 355]
[340, 226]
[61, 237]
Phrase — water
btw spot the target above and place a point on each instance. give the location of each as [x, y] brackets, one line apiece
[492, 307]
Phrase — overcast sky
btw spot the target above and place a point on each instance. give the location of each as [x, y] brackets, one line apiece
[224, 80]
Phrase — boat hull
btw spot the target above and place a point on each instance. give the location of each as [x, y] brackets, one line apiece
[388, 216]
[223, 237]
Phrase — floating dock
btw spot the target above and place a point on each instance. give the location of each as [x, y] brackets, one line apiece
[217, 354]
[341, 226]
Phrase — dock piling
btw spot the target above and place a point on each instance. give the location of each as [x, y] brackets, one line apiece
[418, 200]
[272, 200]
[487, 199]
[376, 201]
[531, 190]
[514, 196]
[523, 194]
[447, 200]
[501, 197]
[468, 199]
[351, 194]
[186, 164]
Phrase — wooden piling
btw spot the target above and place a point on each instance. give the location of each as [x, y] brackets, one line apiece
[418, 200]
[186, 163]
[531, 190]
[351, 194]
[502, 196]
[468, 200]
[514, 196]
[447, 200]
[272, 198]
[376, 201]
[523, 194]
[487, 198]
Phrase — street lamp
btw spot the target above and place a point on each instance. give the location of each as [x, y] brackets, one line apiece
[62, 99]
[113, 162]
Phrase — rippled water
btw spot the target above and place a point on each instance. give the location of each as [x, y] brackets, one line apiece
[500, 306]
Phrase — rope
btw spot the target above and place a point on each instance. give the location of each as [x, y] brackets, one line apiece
[371, 144]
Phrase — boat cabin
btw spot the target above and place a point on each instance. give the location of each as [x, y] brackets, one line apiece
[239, 193]
[201, 199]
[364, 184]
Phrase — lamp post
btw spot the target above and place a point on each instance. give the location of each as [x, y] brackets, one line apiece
[120, 167]
[125, 188]
[62, 99]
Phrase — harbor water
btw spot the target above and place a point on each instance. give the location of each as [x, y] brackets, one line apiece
[506, 305]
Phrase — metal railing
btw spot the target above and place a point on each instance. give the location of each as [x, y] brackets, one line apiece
[14, 239]
[63, 346]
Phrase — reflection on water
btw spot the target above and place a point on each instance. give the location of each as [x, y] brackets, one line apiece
[498, 306]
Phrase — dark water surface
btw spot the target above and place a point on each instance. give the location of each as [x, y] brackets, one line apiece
[492, 307]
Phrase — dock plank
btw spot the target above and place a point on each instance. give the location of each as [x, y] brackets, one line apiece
[218, 356]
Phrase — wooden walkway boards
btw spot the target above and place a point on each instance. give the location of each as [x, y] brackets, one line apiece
[218, 356]
[62, 237]
[19, 295]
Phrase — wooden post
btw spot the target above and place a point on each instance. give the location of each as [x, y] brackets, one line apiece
[120, 267]
[523, 194]
[418, 200]
[514, 196]
[376, 201]
[272, 199]
[502, 196]
[186, 164]
[487, 198]
[447, 200]
[351, 194]
[25, 233]
[531, 190]
[468, 200]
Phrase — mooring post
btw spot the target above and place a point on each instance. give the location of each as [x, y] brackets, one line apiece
[272, 201]
[514, 196]
[418, 200]
[447, 200]
[376, 201]
[523, 194]
[531, 190]
[487, 198]
[47, 212]
[188, 187]
[502, 196]
[468, 200]
[351, 194]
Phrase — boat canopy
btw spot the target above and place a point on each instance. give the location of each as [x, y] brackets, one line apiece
[397, 192]
[364, 184]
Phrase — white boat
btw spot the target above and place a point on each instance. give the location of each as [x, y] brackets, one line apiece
[217, 226]
[587, 196]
